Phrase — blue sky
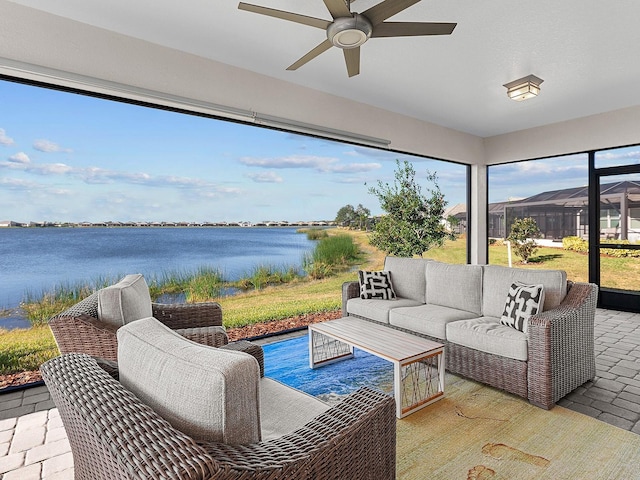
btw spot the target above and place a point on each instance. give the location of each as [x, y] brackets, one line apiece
[68, 157]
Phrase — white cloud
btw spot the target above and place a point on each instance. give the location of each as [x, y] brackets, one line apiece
[20, 158]
[18, 184]
[319, 164]
[265, 177]
[4, 139]
[48, 146]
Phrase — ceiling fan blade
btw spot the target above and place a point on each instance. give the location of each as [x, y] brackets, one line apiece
[352, 59]
[411, 29]
[323, 47]
[292, 17]
[380, 12]
[337, 8]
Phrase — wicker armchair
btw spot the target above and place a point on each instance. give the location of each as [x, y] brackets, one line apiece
[78, 329]
[113, 435]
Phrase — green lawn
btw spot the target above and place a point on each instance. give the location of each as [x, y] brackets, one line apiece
[22, 350]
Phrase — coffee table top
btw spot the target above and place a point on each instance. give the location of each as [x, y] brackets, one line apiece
[381, 340]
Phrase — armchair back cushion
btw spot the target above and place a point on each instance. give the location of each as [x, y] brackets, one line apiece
[498, 280]
[408, 277]
[124, 302]
[210, 394]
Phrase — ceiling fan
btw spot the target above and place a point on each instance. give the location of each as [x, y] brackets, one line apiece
[350, 30]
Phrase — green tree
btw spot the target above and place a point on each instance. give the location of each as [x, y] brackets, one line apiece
[346, 216]
[522, 235]
[414, 221]
[362, 214]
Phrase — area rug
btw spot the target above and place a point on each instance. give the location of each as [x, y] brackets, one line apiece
[475, 431]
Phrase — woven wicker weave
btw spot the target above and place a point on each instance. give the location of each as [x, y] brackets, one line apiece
[78, 330]
[561, 354]
[114, 436]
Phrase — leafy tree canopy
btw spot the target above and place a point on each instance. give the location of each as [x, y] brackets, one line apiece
[414, 221]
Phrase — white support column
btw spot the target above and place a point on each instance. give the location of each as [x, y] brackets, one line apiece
[479, 219]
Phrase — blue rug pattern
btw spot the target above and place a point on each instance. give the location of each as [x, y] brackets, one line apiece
[288, 362]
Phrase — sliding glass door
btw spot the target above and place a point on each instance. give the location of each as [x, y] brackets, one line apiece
[615, 240]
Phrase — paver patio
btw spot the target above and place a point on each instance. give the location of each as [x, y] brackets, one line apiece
[33, 443]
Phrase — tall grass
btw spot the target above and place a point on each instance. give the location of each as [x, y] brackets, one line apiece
[266, 275]
[331, 255]
[314, 233]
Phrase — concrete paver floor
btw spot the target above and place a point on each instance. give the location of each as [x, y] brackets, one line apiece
[34, 446]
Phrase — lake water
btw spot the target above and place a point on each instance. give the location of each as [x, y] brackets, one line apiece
[33, 260]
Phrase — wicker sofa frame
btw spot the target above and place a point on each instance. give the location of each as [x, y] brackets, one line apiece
[114, 436]
[78, 330]
[561, 354]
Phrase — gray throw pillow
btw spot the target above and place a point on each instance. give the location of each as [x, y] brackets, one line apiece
[126, 301]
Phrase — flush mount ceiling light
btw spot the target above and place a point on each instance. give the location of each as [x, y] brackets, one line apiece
[524, 88]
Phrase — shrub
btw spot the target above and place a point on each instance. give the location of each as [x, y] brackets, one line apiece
[314, 233]
[523, 232]
[575, 244]
[331, 254]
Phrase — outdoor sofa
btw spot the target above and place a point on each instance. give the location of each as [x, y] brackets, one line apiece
[461, 306]
[175, 409]
[91, 325]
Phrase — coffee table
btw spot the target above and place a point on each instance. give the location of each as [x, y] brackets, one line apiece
[418, 363]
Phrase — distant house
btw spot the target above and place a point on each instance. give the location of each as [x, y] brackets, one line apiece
[8, 223]
[564, 213]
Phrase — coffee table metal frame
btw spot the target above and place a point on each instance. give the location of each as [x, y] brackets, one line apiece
[418, 363]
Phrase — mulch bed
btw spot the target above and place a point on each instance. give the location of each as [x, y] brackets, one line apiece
[250, 331]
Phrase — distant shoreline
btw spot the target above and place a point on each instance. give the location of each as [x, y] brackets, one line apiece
[313, 223]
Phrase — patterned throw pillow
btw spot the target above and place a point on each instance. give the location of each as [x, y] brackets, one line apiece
[376, 285]
[522, 302]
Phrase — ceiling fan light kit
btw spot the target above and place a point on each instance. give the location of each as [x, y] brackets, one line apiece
[524, 88]
[348, 30]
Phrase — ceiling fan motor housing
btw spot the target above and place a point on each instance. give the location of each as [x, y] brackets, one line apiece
[349, 32]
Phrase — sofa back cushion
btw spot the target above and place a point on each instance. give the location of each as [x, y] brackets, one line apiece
[408, 277]
[207, 393]
[124, 302]
[455, 286]
[498, 280]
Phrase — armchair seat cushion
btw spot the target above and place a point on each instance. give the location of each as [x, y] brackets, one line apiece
[284, 409]
[207, 393]
[124, 302]
[488, 335]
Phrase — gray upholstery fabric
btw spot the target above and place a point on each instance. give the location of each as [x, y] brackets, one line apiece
[208, 393]
[427, 319]
[375, 309]
[408, 277]
[455, 286]
[498, 279]
[488, 335]
[124, 302]
[284, 409]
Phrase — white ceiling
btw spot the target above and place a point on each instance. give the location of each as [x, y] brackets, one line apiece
[585, 51]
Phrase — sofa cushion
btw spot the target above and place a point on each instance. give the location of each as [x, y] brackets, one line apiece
[207, 393]
[284, 409]
[376, 285]
[124, 302]
[522, 302]
[377, 310]
[456, 286]
[427, 319]
[408, 276]
[498, 279]
[488, 335]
